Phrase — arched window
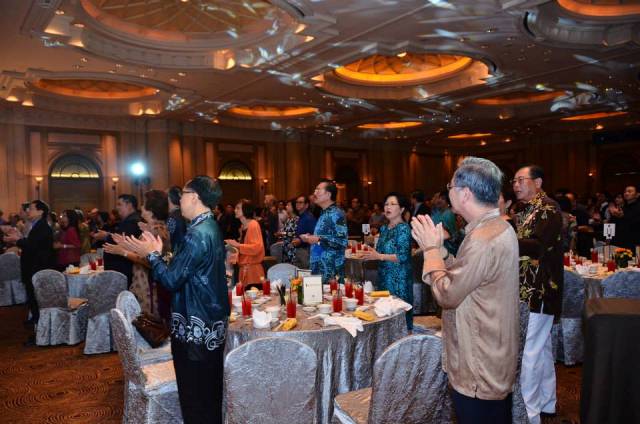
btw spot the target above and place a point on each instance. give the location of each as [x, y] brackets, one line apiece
[74, 166]
[236, 171]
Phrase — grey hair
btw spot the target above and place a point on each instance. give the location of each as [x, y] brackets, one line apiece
[482, 177]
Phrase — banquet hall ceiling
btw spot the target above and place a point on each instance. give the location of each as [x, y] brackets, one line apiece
[355, 69]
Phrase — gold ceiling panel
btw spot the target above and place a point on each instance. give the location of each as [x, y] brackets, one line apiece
[403, 69]
[392, 125]
[273, 111]
[95, 89]
[602, 8]
[174, 20]
[518, 98]
[589, 116]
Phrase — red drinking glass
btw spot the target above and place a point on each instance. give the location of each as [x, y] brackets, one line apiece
[611, 265]
[578, 260]
[99, 262]
[333, 286]
[353, 249]
[291, 308]
[246, 307]
[92, 265]
[566, 260]
[594, 256]
[360, 295]
[239, 289]
[337, 302]
[348, 289]
[266, 287]
[359, 246]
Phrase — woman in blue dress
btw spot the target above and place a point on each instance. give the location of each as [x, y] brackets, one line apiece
[393, 250]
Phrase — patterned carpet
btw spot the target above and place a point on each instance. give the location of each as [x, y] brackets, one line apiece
[62, 385]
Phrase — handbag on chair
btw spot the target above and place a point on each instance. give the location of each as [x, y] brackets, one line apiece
[153, 330]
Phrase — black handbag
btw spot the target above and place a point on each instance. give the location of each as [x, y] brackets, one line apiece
[151, 329]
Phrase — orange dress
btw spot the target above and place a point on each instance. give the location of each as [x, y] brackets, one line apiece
[251, 254]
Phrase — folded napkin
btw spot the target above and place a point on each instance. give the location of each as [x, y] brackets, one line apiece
[84, 269]
[261, 319]
[352, 325]
[582, 269]
[386, 306]
[368, 287]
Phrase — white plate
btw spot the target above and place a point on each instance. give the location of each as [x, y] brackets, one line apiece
[309, 308]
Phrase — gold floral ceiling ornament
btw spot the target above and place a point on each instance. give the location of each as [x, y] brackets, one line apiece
[273, 112]
[519, 98]
[391, 125]
[602, 8]
[466, 136]
[590, 116]
[403, 69]
[94, 89]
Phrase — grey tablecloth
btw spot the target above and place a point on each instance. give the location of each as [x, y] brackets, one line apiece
[76, 283]
[345, 363]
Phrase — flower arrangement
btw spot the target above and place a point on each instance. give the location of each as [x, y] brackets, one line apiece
[296, 285]
[622, 257]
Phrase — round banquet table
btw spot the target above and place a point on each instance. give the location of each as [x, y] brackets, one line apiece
[345, 363]
[76, 283]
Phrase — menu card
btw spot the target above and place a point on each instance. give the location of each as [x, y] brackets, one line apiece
[312, 289]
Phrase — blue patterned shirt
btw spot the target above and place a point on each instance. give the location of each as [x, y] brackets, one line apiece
[327, 256]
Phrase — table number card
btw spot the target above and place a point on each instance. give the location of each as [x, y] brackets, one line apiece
[366, 229]
[609, 231]
[301, 273]
[312, 289]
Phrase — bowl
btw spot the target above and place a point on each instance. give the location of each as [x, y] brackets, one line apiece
[324, 308]
[253, 294]
[274, 311]
[326, 288]
[350, 304]
[309, 308]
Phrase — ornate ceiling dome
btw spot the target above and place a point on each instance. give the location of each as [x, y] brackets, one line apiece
[272, 112]
[94, 89]
[402, 69]
[602, 8]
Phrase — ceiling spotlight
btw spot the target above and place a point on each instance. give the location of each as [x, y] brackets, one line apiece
[309, 38]
[483, 143]
[138, 169]
[59, 12]
[599, 126]
[182, 74]
[78, 25]
[84, 60]
[403, 54]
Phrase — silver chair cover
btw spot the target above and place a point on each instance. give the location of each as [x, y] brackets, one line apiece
[101, 292]
[624, 284]
[130, 308]
[12, 291]
[302, 258]
[275, 250]
[58, 323]
[150, 391]
[409, 386]
[282, 272]
[518, 408]
[270, 380]
[566, 335]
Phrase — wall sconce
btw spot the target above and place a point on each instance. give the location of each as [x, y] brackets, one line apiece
[265, 181]
[114, 187]
[369, 182]
[38, 182]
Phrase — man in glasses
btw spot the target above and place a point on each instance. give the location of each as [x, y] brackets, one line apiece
[539, 226]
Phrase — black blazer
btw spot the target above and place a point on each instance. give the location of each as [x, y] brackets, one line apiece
[128, 226]
[37, 250]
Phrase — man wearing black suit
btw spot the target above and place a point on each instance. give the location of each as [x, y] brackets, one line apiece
[127, 207]
[417, 204]
[36, 250]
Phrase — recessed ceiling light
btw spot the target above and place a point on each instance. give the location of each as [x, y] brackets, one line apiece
[465, 135]
[84, 60]
[118, 66]
[403, 54]
[182, 74]
[59, 12]
[173, 80]
[483, 143]
[309, 38]
[599, 126]
[78, 25]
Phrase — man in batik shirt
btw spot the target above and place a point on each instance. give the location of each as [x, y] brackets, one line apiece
[539, 226]
[329, 239]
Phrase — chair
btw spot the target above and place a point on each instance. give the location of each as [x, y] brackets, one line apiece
[282, 272]
[275, 250]
[287, 393]
[130, 308]
[624, 284]
[12, 291]
[102, 291]
[268, 262]
[518, 408]
[566, 336]
[63, 319]
[150, 391]
[302, 258]
[409, 386]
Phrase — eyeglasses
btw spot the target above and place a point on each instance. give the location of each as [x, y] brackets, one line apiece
[520, 180]
[392, 204]
[187, 191]
[449, 186]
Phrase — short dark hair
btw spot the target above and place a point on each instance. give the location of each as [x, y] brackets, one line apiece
[293, 205]
[565, 204]
[403, 202]
[156, 202]
[207, 189]
[41, 206]
[174, 193]
[418, 195]
[248, 210]
[330, 186]
[535, 171]
[130, 199]
[304, 197]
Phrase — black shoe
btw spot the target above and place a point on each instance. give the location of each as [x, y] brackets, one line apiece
[28, 322]
[547, 414]
[31, 341]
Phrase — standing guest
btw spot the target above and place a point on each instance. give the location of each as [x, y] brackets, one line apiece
[417, 204]
[127, 208]
[68, 244]
[329, 239]
[289, 233]
[283, 216]
[627, 220]
[539, 225]
[377, 218]
[478, 292]
[250, 247]
[583, 229]
[393, 250]
[504, 205]
[441, 212]
[37, 253]
[356, 216]
[85, 233]
[307, 221]
[269, 219]
[200, 309]
[175, 222]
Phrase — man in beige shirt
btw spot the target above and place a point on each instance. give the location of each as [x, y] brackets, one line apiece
[478, 292]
